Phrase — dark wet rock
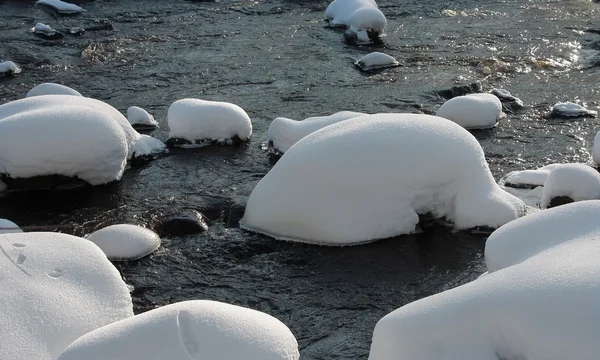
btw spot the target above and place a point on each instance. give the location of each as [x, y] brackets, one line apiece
[460, 90]
[184, 143]
[351, 38]
[76, 31]
[53, 182]
[560, 200]
[99, 25]
[184, 223]
[46, 32]
[510, 103]
[144, 128]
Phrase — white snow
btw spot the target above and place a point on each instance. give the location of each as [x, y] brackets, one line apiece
[55, 288]
[528, 177]
[538, 301]
[577, 181]
[52, 89]
[41, 27]
[284, 132]
[147, 145]
[359, 16]
[572, 110]
[376, 60]
[125, 242]
[197, 329]
[369, 177]
[9, 67]
[7, 226]
[473, 111]
[596, 149]
[138, 116]
[197, 120]
[61, 6]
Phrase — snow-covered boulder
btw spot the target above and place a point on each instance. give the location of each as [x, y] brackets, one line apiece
[46, 32]
[473, 111]
[52, 89]
[507, 98]
[139, 117]
[596, 149]
[61, 6]
[571, 110]
[376, 60]
[362, 17]
[198, 121]
[197, 329]
[9, 67]
[55, 288]
[284, 132]
[369, 177]
[148, 146]
[125, 242]
[575, 181]
[538, 301]
[7, 226]
[528, 178]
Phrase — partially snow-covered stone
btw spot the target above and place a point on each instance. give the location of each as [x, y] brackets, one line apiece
[7, 226]
[52, 89]
[148, 146]
[199, 120]
[362, 17]
[473, 111]
[61, 6]
[369, 177]
[139, 117]
[507, 98]
[55, 288]
[9, 67]
[596, 149]
[376, 60]
[46, 32]
[198, 329]
[125, 242]
[284, 132]
[528, 178]
[576, 181]
[569, 109]
[537, 302]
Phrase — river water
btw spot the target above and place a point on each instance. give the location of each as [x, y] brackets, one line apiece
[279, 58]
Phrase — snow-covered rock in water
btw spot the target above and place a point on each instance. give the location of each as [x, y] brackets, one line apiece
[7, 226]
[198, 329]
[376, 60]
[148, 146]
[569, 109]
[596, 149]
[61, 6]
[538, 301]
[362, 17]
[575, 181]
[196, 120]
[55, 288]
[46, 32]
[369, 177]
[527, 178]
[125, 242]
[139, 117]
[473, 111]
[9, 67]
[284, 132]
[52, 89]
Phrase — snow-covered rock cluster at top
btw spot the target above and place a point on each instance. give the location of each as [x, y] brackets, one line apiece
[369, 177]
[538, 300]
[473, 111]
[362, 17]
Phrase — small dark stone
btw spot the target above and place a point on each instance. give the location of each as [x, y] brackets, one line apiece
[77, 31]
[184, 223]
[143, 128]
[560, 200]
[49, 35]
[99, 25]
[460, 90]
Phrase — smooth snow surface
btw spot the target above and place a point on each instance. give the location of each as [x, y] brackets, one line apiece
[528, 178]
[7, 226]
[147, 145]
[596, 149]
[369, 177]
[187, 330]
[359, 16]
[61, 6]
[577, 181]
[473, 111]
[572, 110]
[376, 60]
[138, 116]
[54, 288]
[64, 135]
[125, 242]
[539, 300]
[197, 120]
[9, 67]
[52, 89]
[284, 132]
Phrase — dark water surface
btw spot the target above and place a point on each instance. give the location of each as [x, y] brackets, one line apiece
[278, 58]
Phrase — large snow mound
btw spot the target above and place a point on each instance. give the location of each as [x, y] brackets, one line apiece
[55, 288]
[284, 132]
[369, 177]
[125, 242]
[596, 149]
[538, 303]
[52, 89]
[61, 6]
[7, 226]
[576, 181]
[197, 329]
[197, 120]
[473, 111]
[64, 135]
[360, 16]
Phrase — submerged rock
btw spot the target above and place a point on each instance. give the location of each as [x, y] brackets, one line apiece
[460, 90]
[184, 223]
